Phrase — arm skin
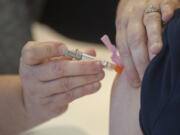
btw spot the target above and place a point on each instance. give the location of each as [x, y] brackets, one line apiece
[11, 104]
[124, 110]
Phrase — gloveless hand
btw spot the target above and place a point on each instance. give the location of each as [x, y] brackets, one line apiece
[139, 35]
[51, 81]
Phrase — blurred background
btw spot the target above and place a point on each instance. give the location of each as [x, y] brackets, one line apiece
[85, 20]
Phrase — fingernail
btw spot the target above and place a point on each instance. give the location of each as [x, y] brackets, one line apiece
[62, 49]
[96, 85]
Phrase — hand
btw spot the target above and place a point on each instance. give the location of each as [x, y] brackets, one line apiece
[51, 81]
[139, 35]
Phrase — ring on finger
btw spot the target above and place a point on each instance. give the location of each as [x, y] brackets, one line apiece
[152, 9]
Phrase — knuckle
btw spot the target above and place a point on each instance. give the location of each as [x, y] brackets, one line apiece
[124, 22]
[88, 67]
[135, 9]
[66, 84]
[69, 96]
[57, 68]
[121, 21]
[165, 3]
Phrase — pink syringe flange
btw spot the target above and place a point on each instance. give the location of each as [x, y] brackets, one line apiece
[115, 58]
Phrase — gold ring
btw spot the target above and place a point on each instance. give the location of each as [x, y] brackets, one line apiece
[152, 9]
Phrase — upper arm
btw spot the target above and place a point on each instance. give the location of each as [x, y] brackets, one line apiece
[124, 110]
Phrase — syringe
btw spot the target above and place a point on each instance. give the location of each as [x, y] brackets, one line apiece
[82, 56]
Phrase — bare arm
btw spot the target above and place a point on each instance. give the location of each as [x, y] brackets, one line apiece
[12, 114]
[124, 111]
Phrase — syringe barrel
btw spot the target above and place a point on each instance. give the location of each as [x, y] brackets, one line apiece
[104, 63]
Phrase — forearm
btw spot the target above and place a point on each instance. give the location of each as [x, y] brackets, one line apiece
[124, 111]
[12, 115]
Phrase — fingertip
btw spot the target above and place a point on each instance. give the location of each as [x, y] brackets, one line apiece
[167, 12]
[92, 88]
[166, 17]
[135, 83]
[156, 48]
[96, 85]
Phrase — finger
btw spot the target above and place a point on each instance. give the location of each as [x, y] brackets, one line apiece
[67, 84]
[35, 52]
[153, 26]
[56, 58]
[167, 11]
[58, 69]
[56, 110]
[137, 44]
[63, 99]
[125, 54]
[91, 52]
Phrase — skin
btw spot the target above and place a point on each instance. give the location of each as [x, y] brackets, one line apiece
[138, 39]
[138, 35]
[124, 108]
[48, 82]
